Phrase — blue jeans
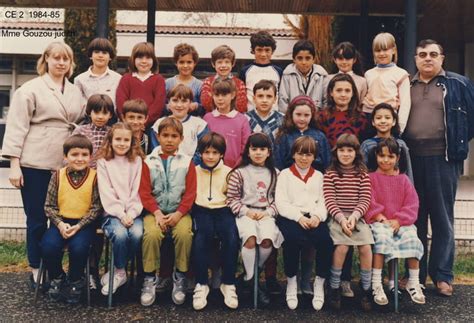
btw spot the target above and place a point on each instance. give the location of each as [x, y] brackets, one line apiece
[125, 241]
[206, 224]
[436, 184]
[33, 195]
[296, 238]
[52, 246]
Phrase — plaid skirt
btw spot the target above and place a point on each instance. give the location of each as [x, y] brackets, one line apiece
[404, 244]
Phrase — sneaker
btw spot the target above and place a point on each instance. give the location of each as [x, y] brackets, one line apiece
[392, 294]
[200, 296]
[346, 290]
[148, 295]
[292, 297]
[179, 288]
[366, 300]
[74, 292]
[379, 295]
[318, 298]
[164, 284]
[55, 288]
[216, 275]
[335, 298]
[273, 287]
[416, 293]
[92, 282]
[118, 281]
[230, 296]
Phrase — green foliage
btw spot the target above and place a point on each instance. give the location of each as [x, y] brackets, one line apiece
[12, 253]
[80, 30]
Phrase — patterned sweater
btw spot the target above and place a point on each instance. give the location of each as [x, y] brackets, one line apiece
[250, 186]
[338, 123]
[96, 135]
[268, 126]
[240, 99]
[350, 193]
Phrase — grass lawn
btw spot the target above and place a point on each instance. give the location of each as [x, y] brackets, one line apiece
[13, 259]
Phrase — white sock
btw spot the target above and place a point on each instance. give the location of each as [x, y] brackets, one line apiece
[291, 283]
[35, 272]
[263, 254]
[413, 278]
[391, 284]
[376, 277]
[248, 258]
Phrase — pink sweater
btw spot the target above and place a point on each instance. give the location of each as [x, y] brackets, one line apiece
[119, 181]
[394, 197]
[235, 128]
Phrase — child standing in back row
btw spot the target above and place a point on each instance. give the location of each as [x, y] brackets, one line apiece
[185, 58]
[143, 82]
[223, 60]
[303, 77]
[387, 83]
[262, 46]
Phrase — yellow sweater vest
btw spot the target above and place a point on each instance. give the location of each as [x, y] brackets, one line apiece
[74, 201]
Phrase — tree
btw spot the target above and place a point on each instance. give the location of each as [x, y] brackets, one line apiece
[80, 30]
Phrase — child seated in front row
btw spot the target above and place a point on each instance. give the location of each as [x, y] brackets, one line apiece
[118, 174]
[347, 196]
[180, 101]
[300, 202]
[72, 204]
[211, 216]
[168, 190]
[392, 214]
[100, 109]
[227, 121]
[250, 196]
[135, 114]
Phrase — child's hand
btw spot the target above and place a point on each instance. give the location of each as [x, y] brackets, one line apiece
[380, 218]
[63, 229]
[345, 227]
[173, 218]
[193, 106]
[351, 222]
[394, 224]
[260, 215]
[314, 222]
[72, 230]
[304, 222]
[160, 220]
[127, 221]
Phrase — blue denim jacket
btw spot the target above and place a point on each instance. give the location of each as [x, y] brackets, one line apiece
[458, 93]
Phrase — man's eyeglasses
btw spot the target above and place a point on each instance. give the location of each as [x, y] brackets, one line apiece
[425, 54]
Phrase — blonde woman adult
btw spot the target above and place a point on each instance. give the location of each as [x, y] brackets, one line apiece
[41, 117]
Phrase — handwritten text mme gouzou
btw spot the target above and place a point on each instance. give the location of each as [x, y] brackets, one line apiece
[36, 33]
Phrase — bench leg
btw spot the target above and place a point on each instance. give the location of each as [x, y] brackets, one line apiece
[255, 279]
[111, 276]
[39, 280]
[395, 274]
[88, 283]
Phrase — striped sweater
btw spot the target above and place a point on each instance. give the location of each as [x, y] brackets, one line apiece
[249, 187]
[350, 193]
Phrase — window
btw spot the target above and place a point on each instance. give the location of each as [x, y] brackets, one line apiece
[28, 66]
[6, 63]
[4, 102]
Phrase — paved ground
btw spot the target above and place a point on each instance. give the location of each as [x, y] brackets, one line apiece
[17, 306]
